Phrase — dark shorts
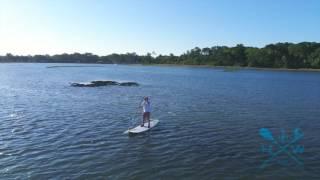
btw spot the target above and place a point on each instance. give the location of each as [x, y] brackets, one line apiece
[146, 115]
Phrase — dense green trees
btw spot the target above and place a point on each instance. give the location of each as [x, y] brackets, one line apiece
[279, 55]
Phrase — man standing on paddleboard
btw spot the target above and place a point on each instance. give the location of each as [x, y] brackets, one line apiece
[146, 108]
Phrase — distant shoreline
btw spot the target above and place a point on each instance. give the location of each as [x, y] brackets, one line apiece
[231, 68]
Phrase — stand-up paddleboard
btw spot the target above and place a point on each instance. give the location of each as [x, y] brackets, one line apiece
[139, 129]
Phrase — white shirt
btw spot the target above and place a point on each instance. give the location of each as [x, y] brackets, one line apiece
[146, 106]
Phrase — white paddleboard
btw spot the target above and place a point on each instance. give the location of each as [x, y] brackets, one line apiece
[139, 129]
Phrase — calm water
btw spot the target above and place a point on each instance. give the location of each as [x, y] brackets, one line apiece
[209, 123]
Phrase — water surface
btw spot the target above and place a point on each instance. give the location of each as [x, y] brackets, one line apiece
[209, 122]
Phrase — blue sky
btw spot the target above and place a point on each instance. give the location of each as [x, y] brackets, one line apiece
[164, 26]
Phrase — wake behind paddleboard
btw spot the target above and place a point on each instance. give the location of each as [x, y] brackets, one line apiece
[139, 129]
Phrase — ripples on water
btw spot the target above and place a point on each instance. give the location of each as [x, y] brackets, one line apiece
[209, 122]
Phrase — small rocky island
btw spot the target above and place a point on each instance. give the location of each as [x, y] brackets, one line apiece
[104, 83]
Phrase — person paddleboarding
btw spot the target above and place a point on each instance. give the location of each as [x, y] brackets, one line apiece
[146, 109]
[147, 123]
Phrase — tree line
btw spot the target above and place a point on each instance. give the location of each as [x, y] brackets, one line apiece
[279, 55]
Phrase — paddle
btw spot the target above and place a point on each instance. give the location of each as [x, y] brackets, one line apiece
[297, 134]
[266, 134]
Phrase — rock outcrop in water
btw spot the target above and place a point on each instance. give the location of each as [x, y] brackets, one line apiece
[104, 83]
[128, 84]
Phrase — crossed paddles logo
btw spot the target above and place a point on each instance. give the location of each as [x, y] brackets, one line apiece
[283, 149]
